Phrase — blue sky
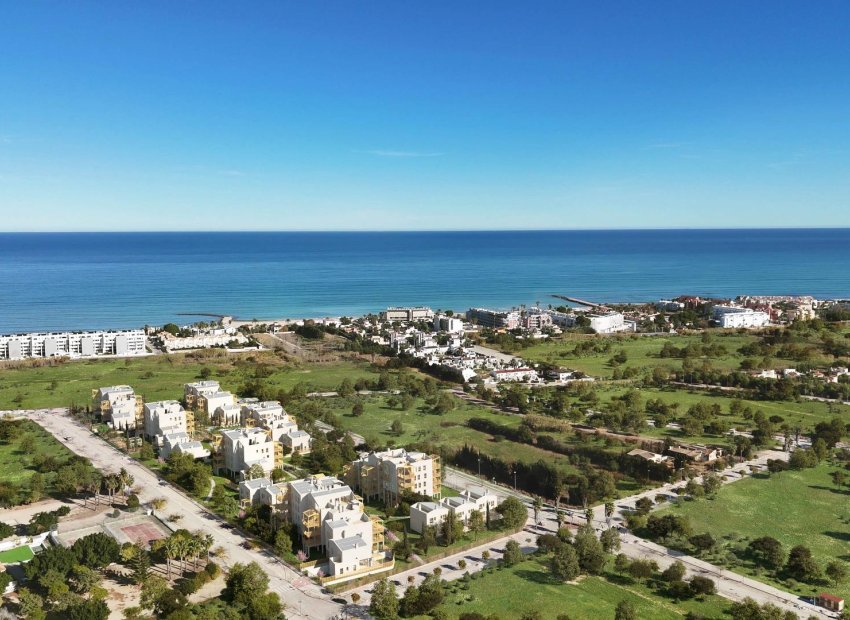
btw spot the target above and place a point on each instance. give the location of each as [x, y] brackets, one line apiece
[424, 115]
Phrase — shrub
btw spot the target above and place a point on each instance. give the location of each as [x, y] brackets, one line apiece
[133, 502]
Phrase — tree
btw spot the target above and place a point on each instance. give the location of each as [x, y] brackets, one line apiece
[564, 563]
[801, 565]
[838, 478]
[513, 554]
[384, 604]
[477, 522]
[346, 388]
[451, 529]
[31, 605]
[357, 408]
[621, 563]
[702, 542]
[702, 586]
[674, 572]
[282, 542]
[133, 502]
[96, 550]
[514, 514]
[428, 539]
[625, 611]
[537, 505]
[710, 484]
[245, 582]
[836, 572]
[152, 589]
[642, 569]
[140, 564]
[397, 428]
[767, 551]
[85, 579]
[92, 609]
[591, 556]
[610, 540]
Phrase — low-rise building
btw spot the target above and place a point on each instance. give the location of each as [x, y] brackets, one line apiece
[121, 343]
[264, 492]
[650, 457]
[297, 441]
[118, 406]
[450, 324]
[736, 317]
[536, 320]
[387, 475]
[182, 443]
[407, 314]
[427, 514]
[523, 375]
[608, 322]
[494, 319]
[227, 415]
[193, 391]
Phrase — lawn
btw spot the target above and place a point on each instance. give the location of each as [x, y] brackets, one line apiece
[18, 554]
[589, 599]
[161, 377]
[795, 507]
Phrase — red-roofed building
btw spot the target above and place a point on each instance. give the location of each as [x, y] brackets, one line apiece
[829, 601]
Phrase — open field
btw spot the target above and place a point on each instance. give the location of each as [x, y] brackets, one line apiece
[795, 507]
[16, 454]
[589, 599]
[161, 376]
[18, 554]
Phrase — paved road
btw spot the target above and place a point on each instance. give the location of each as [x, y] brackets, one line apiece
[303, 598]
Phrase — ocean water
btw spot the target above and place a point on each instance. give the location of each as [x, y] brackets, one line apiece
[115, 280]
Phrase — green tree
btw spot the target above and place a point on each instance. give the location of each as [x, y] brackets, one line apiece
[397, 428]
[357, 408]
[625, 611]
[384, 604]
[282, 542]
[610, 540]
[513, 554]
[514, 513]
[564, 563]
[591, 555]
[477, 522]
[674, 572]
[152, 589]
[31, 605]
[801, 565]
[245, 582]
[836, 572]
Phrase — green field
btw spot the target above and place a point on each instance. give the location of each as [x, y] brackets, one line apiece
[18, 554]
[795, 507]
[16, 457]
[510, 592]
[159, 377]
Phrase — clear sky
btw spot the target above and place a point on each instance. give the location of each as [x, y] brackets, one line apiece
[424, 115]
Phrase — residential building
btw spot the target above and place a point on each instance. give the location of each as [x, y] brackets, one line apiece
[560, 375]
[118, 406]
[210, 401]
[387, 475]
[227, 415]
[182, 443]
[461, 507]
[736, 317]
[236, 451]
[193, 391]
[450, 324]
[646, 455]
[297, 441]
[73, 344]
[269, 415]
[494, 319]
[523, 375]
[264, 492]
[407, 315]
[536, 320]
[608, 323]
[165, 417]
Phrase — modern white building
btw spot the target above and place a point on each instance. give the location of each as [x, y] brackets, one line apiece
[118, 405]
[262, 491]
[450, 324]
[211, 401]
[73, 344]
[236, 451]
[736, 316]
[387, 475]
[164, 417]
[523, 375]
[424, 514]
[407, 315]
[608, 323]
[494, 319]
[192, 393]
[227, 415]
[182, 443]
[297, 441]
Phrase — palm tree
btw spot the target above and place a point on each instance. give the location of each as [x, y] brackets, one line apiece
[206, 542]
[170, 545]
[159, 503]
[537, 505]
[127, 480]
[111, 482]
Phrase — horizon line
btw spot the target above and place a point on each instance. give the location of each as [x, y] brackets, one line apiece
[423, 230]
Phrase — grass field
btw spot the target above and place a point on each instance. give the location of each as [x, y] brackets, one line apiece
[18, 554]
[510, 592]
[795, 507]
[161, 377]
[16, 457]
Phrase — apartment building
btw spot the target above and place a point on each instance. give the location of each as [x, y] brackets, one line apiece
[428, 514]
[182, 443]
[387, 475]
[450, 324]
[264, 492]
[73, 344]
[166, 417]
[536, 320]
[410, 314]
[119, 406]
[235, 451]
[297, 441]
[193, 391]
[330, 517]
[227, 415]
[730, 317]
[494, 319]
[523, 375]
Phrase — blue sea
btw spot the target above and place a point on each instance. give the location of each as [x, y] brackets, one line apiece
[119, 280]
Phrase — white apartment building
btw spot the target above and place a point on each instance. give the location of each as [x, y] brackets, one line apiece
[237, 450]
[118, 405]
[608, 323]
[164, 417]
[450, 324]
[211, 401]
[200, 341]
[227, 415]
[424, 514]
[494, 319]
[736, 316]
[182, 443]
[390, 473]
[409, 314]
[73, 344]
[524, 375]
[192, 392]
[297, 441]
[264, 492]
